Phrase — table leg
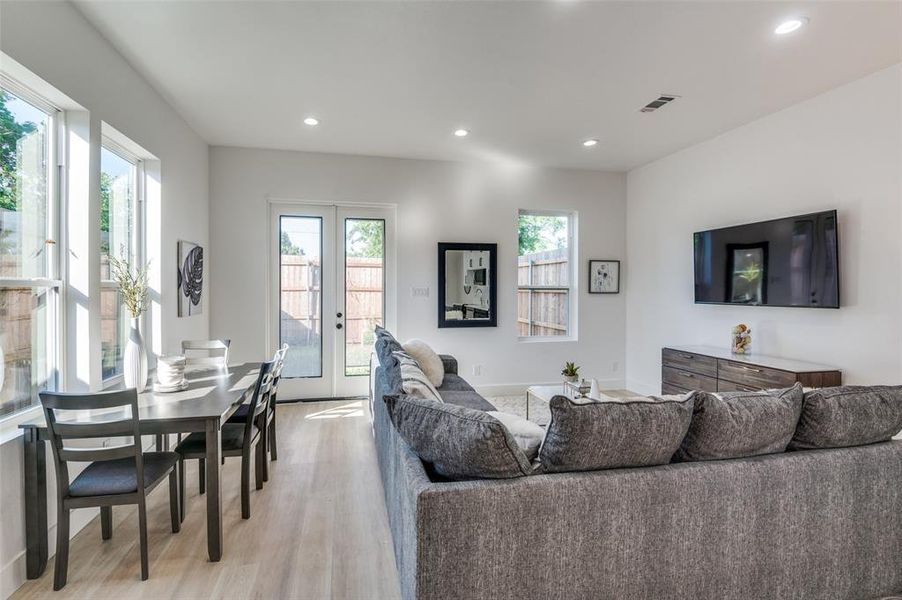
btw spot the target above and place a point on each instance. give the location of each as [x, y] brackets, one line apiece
[35, 504]
[214, 490]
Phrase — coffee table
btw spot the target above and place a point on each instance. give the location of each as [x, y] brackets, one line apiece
[546, 392]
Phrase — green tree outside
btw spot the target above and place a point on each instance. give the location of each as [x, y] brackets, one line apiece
[10, 133]
[538, 233]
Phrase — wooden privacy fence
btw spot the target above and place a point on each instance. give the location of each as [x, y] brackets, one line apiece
[543, 298]
[301, 280]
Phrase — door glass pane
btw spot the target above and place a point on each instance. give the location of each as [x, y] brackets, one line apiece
[24, 156]
[25, 338]
[364, 290]
[300, 295]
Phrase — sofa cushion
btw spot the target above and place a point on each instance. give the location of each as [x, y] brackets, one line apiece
[591, 435]
[737, 424]
[413, 380]
[385, 345]
[851, 415]
[527, 434]
[454, 383]
[459, 442]
[466, 398]
[428, 360]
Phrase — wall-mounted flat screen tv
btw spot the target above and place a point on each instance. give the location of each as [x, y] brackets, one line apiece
[784, 262]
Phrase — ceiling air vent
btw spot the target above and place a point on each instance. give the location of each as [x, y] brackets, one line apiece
[662, 100]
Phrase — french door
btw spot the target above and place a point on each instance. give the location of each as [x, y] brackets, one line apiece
[332, 282]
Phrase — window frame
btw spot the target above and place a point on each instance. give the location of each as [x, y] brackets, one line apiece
[55, 267]
[136, 235]
[572, 288]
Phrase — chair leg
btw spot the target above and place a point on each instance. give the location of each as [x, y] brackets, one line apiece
[142, 533]
[260, 463]
[174, 504]
[61, 568]
[183, 497]
[202, 475]
[272, 437]
[106, 522]
[262, 445]
[246, 485]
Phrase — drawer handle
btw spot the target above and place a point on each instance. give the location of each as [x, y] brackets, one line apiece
[745, 368]
[689, 356]
[687, 374]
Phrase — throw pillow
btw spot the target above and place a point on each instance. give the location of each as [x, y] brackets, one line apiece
[527, 434]
[851, 415]
[428, 360]
[736, 424]
[635, 432]
[385, 345]
[413, 380]
[461, 443]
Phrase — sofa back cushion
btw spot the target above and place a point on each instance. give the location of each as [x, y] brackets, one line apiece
[385, 345]
[592, 435]
[737, 424]
[851, 415]
[460, 443]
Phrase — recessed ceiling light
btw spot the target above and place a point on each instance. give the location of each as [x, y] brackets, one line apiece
[790, 25]
[461, 132]
[590, 143]
[312, 121]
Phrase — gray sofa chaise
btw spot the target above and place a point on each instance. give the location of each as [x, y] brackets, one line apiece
[818, 524]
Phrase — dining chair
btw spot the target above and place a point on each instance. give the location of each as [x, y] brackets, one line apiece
[206, 353]
[269, 432]
[116, 475]
[237, 440]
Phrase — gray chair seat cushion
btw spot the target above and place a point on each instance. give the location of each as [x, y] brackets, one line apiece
[460, 443]
[592, 435]
[466, 399]
[111, 477]
[455, 383]
[196, 443]
[851, 415]
[737, 424]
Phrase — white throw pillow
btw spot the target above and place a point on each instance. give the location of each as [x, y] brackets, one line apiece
[527, 434]
[413, 380]
[427, 359]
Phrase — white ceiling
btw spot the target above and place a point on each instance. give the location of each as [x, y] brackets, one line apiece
[530, 80]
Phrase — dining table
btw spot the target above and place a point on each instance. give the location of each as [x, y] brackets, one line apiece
[212, 395]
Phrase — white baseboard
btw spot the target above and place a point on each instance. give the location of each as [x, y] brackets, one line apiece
[519, 389]
[642, 388]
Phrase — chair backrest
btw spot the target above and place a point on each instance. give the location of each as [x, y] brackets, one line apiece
[279, 359]
[206, 353]
[116, 424]
[260, 398]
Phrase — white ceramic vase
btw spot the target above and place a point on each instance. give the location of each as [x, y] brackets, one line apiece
[135, 361]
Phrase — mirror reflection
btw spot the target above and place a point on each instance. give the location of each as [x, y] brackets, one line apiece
[467, 284]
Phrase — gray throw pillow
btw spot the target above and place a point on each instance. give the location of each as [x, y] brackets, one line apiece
[461, 443]
[592, 435]
[737, 424]
[851, 415]
[385, 345]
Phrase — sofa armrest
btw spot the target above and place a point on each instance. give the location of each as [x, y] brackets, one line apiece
[450, 363]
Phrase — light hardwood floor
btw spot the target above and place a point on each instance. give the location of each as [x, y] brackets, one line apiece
[318, 529]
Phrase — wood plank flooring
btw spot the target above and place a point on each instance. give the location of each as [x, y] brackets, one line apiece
[318, 529]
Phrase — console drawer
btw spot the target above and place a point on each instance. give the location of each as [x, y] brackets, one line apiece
[754, 376]
[687, 361]
[729, 386]
[688, 380]
[668, 389]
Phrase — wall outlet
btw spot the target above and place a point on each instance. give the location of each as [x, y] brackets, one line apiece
[477, 370]
[419, 292]
[615, 366]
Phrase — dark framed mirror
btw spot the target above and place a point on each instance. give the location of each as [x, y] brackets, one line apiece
[467, 291]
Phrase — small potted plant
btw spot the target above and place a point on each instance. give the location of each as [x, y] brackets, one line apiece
[570, 372]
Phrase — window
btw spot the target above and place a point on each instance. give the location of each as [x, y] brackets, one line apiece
[29, 261]
[118, 202]
[545, 274]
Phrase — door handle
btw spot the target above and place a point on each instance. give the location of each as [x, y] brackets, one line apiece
[338, 326]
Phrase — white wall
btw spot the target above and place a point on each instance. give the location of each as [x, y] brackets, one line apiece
[840, 150]
[437, 201]
[52, 40]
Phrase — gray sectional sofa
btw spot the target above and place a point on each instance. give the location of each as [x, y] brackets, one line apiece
[816, 524]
